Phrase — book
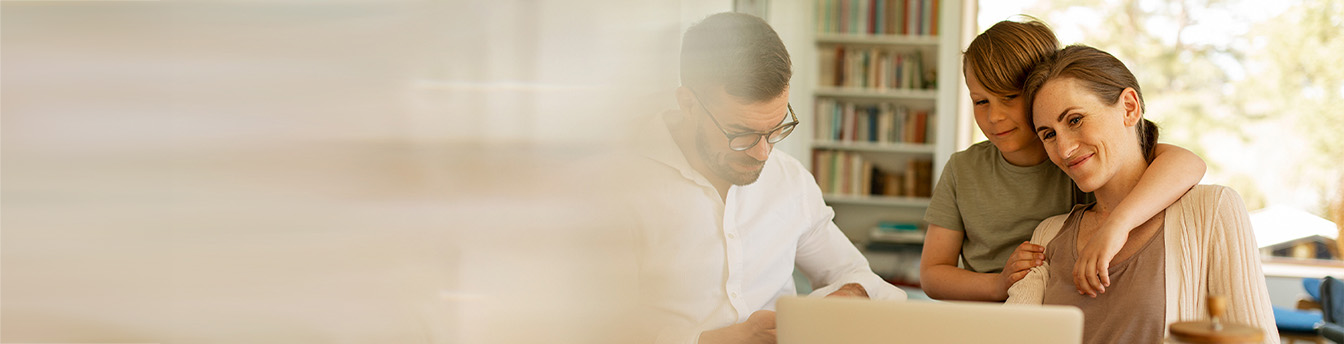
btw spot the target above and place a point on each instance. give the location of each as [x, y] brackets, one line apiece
[911, 17]
[836, 176]
[827, 69]
[844, 16]
[897, 232]
[839, 66]
[879, 17]
[862, 17]
[933, 18]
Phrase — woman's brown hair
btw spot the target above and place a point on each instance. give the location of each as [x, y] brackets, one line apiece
[1100, 73]
[1002, 56]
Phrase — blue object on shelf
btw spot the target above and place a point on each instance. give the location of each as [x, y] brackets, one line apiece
[1297, 321]
[1313, 287]
[896, 226]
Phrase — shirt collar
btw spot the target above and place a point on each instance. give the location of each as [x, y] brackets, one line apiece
[658, 145]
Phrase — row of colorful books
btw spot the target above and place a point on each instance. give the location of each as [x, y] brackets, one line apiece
[880, 17]
[840, 172]
[882, 123]
[874, 68]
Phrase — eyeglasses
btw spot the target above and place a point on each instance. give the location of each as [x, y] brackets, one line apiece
[745, 141]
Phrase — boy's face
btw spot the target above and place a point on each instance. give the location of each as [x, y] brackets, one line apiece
[1002, 118]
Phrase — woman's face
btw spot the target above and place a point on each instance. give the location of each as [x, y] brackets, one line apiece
[1089, 139]
[1002, 118]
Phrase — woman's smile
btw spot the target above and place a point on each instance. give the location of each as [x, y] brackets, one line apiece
[1075, 162]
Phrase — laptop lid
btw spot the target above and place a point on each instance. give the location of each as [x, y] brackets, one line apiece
[847, 320]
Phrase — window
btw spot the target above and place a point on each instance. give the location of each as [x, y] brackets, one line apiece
[1254, 87]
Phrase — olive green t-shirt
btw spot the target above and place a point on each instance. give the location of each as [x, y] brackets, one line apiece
[997, 205]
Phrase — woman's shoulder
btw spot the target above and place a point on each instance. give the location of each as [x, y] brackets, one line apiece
[1207, 195]
[1048, 229]
[1206, 202]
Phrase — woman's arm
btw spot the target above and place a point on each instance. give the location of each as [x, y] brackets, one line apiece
[1234, 264]
[1174, 171]
[1031, 289]
[942, 279]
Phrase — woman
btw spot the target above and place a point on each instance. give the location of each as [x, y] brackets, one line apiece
[1088, 112]
[992, 195]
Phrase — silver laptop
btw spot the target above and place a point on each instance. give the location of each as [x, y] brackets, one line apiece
[844, 320]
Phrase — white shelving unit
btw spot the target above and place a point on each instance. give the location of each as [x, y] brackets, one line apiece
[891, 94]
[885, 201]
[877, 39]
[858, 215]
[900, 148]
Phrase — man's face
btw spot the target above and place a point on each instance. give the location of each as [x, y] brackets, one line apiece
[736, 116]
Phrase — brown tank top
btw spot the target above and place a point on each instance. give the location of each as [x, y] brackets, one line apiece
[1133, 308]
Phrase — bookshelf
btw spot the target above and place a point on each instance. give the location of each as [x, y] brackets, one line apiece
[885, 94]
[884, 108]
[888, 201]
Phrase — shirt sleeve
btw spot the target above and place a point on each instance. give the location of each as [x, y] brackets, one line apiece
[829, 260]
[678, 335]
[1030, 290]
[1235, 269]
[943, 211]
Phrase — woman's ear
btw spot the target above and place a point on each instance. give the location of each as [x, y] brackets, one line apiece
[1129, 101]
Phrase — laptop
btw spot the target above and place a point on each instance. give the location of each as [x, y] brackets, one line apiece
[846, 320]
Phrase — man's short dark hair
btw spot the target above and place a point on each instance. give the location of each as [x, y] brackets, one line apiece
[740, 52]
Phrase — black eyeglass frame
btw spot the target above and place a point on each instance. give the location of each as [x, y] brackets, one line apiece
[759, 135]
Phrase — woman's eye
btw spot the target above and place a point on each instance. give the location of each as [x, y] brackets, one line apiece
[981, 102]
[1010, 97]
[1047, 135]
[1075, 120]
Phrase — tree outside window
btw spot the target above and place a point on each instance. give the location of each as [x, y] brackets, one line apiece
[1254, 87]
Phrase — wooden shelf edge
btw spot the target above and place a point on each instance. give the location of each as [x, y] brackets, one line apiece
[853, 38]
[895, 147]
[895, 201]
[854, 92]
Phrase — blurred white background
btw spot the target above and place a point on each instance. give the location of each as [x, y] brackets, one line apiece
[320, 171]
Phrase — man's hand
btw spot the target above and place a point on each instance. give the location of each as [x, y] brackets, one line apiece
[758, 329]
[850, 290]
[1026, 256]
[1091, 273]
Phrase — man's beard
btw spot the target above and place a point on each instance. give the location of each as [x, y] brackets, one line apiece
[719, 163]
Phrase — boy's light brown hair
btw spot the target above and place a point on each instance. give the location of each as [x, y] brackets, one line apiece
[1003, 55]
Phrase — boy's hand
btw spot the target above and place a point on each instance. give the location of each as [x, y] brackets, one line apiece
[1026, 256]
[1091, 273]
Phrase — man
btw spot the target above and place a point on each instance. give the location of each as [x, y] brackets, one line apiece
[726, 218]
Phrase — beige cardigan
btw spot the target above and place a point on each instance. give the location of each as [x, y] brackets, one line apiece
[1210, 249]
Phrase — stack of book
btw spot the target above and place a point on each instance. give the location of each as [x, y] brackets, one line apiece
[878, 17]
[881, 123]
[874, 68]
[840, 172]
[897, 232]
[895, 263]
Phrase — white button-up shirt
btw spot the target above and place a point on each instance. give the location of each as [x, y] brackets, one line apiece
[706, 263]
